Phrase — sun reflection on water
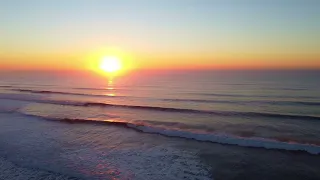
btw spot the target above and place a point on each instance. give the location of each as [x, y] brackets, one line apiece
[110, 94]
[110, 86]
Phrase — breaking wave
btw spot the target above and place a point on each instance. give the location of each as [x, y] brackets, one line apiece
[246, 102]
[22, 97]
[218, 113]
[229, 139]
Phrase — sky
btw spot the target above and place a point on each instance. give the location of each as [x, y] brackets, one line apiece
[168, 34]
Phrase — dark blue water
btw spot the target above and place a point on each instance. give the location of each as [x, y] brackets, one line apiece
[161, 125]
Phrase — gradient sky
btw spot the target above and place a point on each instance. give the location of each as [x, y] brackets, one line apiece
[66, 34]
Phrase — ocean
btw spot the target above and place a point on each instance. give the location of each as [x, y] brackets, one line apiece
[157, 125]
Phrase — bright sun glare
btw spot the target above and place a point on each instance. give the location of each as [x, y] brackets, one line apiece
[111, 64]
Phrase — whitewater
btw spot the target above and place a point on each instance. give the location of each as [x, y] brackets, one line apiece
[186, 126]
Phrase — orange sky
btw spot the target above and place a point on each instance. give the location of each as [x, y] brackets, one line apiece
[72, 35]
[87, 62]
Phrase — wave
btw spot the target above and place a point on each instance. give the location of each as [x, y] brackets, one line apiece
[289, 89]
[229, 139]
[306, 103]
[241, 102]
[251, 95]
[36, 99]
[218, 113]
[99, 89]
[59, 92]
[5, 86]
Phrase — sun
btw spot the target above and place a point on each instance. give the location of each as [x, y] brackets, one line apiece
[110, 64]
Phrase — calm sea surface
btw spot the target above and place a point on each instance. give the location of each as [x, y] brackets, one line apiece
[160, 125]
